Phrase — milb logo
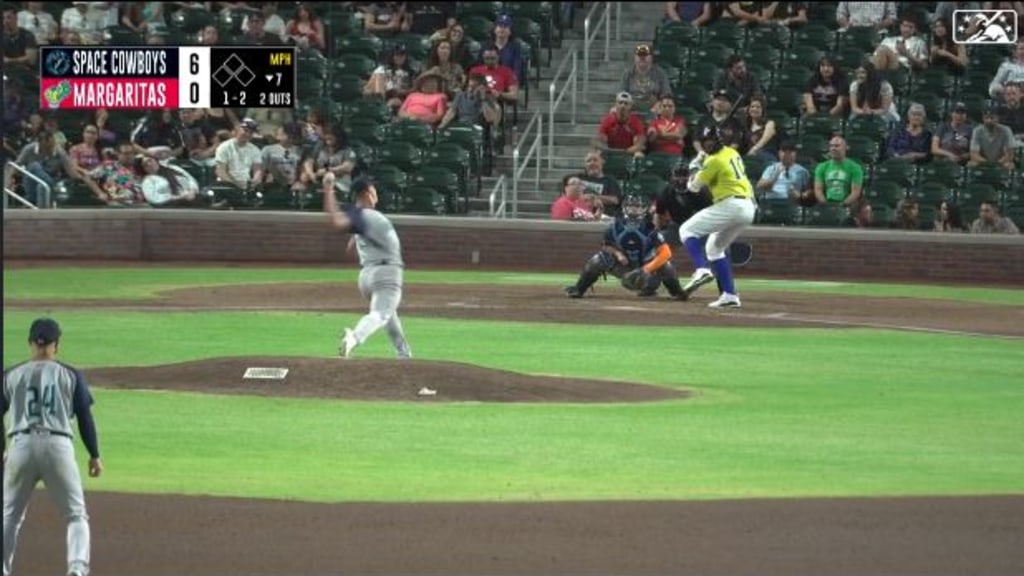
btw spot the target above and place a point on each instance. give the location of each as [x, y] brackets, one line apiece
[985, 26]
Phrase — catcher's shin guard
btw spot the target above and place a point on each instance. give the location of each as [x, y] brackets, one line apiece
[670, 278]
[597, 265]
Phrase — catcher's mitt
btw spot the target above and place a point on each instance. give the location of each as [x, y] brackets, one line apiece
[634, 280]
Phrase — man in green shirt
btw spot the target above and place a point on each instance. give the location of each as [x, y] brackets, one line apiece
[838, 180]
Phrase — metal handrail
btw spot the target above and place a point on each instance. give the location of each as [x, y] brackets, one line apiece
[23, 202]
[588, 38]
[618, 21]
[500, 187]
[520, 162]
[45, 202]
[554, 101]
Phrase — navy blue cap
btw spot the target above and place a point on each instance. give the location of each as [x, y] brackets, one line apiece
[361, 185]
[44, 331]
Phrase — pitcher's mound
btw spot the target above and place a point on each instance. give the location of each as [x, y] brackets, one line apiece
[373, 379]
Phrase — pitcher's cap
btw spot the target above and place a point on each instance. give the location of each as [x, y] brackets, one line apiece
[44, 331]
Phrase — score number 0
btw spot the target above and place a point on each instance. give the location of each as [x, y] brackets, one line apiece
[193, 88]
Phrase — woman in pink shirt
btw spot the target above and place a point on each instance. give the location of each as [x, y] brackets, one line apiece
[426, 103]
[86, 154]
[573, 204]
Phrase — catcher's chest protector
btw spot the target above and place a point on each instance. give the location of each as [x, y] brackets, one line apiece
[633, 240]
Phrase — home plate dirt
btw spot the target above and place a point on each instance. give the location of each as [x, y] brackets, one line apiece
[144, 535]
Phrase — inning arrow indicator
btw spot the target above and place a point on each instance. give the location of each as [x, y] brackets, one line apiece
[269, 77]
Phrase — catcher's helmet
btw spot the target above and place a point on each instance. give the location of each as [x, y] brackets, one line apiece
[634, 208]
[710, 139]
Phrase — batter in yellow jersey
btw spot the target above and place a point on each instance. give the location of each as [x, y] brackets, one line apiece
[722, 222]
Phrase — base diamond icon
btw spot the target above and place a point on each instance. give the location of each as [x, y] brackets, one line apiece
[245, 75]
[234, 63]
[222, 76]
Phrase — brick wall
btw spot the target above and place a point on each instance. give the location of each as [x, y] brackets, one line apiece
[179, 236]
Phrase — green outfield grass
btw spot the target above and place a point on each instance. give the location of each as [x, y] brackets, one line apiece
[778, 413]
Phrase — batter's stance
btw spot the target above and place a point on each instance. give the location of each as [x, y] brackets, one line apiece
[380, 255]
[43, 396]
[731, 211]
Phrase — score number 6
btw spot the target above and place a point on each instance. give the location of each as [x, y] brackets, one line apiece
[193, 68]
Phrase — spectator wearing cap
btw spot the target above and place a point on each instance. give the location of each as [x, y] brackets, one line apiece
[500, 79]
[19, 44]
[238, 160]
[1012, 111]
[786, 179]
[913, 140]
[878, 15]
[392, 80]
[621, 129]
[953, 140]
[990, 222]
[645, 81]
[693, 13]
[907, 49]
[738, 81]
[39, 23]
[509, 52]
[730, 125]
[992, 142]
[1011, 71]
[667, 131]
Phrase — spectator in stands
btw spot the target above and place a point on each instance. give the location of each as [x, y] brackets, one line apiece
[426, 103]
[870, 94]
[731, 126]
[744, 13]
[693, 13]
[392, 80]
[257, 35]
[786, 179]
[333, 156]
[385, 18]
[500, 79]
[574, 204]
[477, 104]
[210, 36]
[645, 81]
[17, 108]
[238, 160]
[306, 29]
[953, 140]
[200, 140]
[509, 52]
[39, 23]
[913, 140]
[442, 64]
[738, 81]
[990, 222]
[282, 159]
[156, 36]
[85, 156]
[1011, 71]
[272, 21]
[667, 131]
[992, 141]
[431, 17]
[47, 162]
[838, 180]
[948, 218]
[878, 15]
[157, 135]
[108, 137]
[944, 53]
[1012, 111]
[861, 215]
[143, 17]
[601, 186]
[621, 129]
[944, 11]
[826, 91]
[907, 49]
[19, 44]
[788, 14]
[113, 181]
[456, 37]
[164, 185]
[908, 215]
[762, 137]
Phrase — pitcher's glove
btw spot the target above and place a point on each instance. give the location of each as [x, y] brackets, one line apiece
[634, 280]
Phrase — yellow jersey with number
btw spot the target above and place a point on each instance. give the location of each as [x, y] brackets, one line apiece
[724, 175]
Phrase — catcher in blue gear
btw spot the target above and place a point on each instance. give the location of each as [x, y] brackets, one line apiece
[633, 251]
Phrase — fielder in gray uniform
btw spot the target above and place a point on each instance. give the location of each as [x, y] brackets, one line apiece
[43, 396]
[380, 255]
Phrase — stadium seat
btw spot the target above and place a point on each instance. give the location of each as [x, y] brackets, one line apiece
[974, 194]
[442, 180]
[353, 64]
[412, 131]
[677, 33]
[645, 185]
[897, 170]
[806, 55]
[373, 109]
[122, 36]
[490, 10]
[618, 165]
[932, 193]
[827, 215]
[785, 99]
[75, 193]
[822, 124]
[692, 95]
[868, 126]
[780, 212]
[346, 88]
[766, 36]
[366, 130]
[863, 149]
[659, 165]
[389, 176]
[368, 45]
[701, 74]
[405, 155]
[477, 26]
[422, 200]
[341, 23]
[765, 56]
[754, 166]
[899, 79]
[813, 146]
[671, 56]
[850, 58]
[793, 76]
[814, 34]
[863, 38]
[941, 170]
[992, 174]
[884, 192]
[933, 81]
[713, 53]
[417, 46]
[468, 137]
[725, 32]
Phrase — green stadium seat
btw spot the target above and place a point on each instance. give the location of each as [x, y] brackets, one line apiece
[645, 185]
[932, 193]
[863, 149]
[366, 130]
[822, 124]
[868, 126]
[863, 38]
[813, 146]
[714, 53]
[412, 131]
[368, 45]
[618, 165]
[780, 212]
[786, 99]
[767, 36]
[340, 23]
[814, 34]
[353, 64]
[825, 215]
[793, 76]
[701, 74]
[490, 10]
[941, 170]
[417, 46]
[764, 56]
[677, 33]
[477, 26]
[422, 200]
[441, 179]
[754, 166]
[725, 32]
[975, 194]
[884, 192]
[346, 88]
[371, 109]
[660, 165]
[671, 56]
[897, 170]
[806, 55]
[994, 175]
[405, 155]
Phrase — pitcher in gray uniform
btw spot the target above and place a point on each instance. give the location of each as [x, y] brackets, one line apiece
[44, 396]
[380, 255]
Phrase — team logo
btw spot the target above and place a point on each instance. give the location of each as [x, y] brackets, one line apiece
[58, 63]
[56, 94]
[985, 26]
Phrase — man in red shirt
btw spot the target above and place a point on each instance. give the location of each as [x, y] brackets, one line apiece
[501, 79]
[666, 132]
[621, 129]
[573, 203]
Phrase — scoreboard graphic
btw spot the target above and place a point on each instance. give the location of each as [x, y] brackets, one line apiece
[134, 77]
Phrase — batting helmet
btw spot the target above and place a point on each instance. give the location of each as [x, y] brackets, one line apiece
[710, 139]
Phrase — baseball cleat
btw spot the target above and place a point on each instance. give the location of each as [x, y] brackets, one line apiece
[348, 344]
[573, 292]
[726, 300]
[700, 277]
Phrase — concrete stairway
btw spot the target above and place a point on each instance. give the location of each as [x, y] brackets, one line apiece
[571, 140]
